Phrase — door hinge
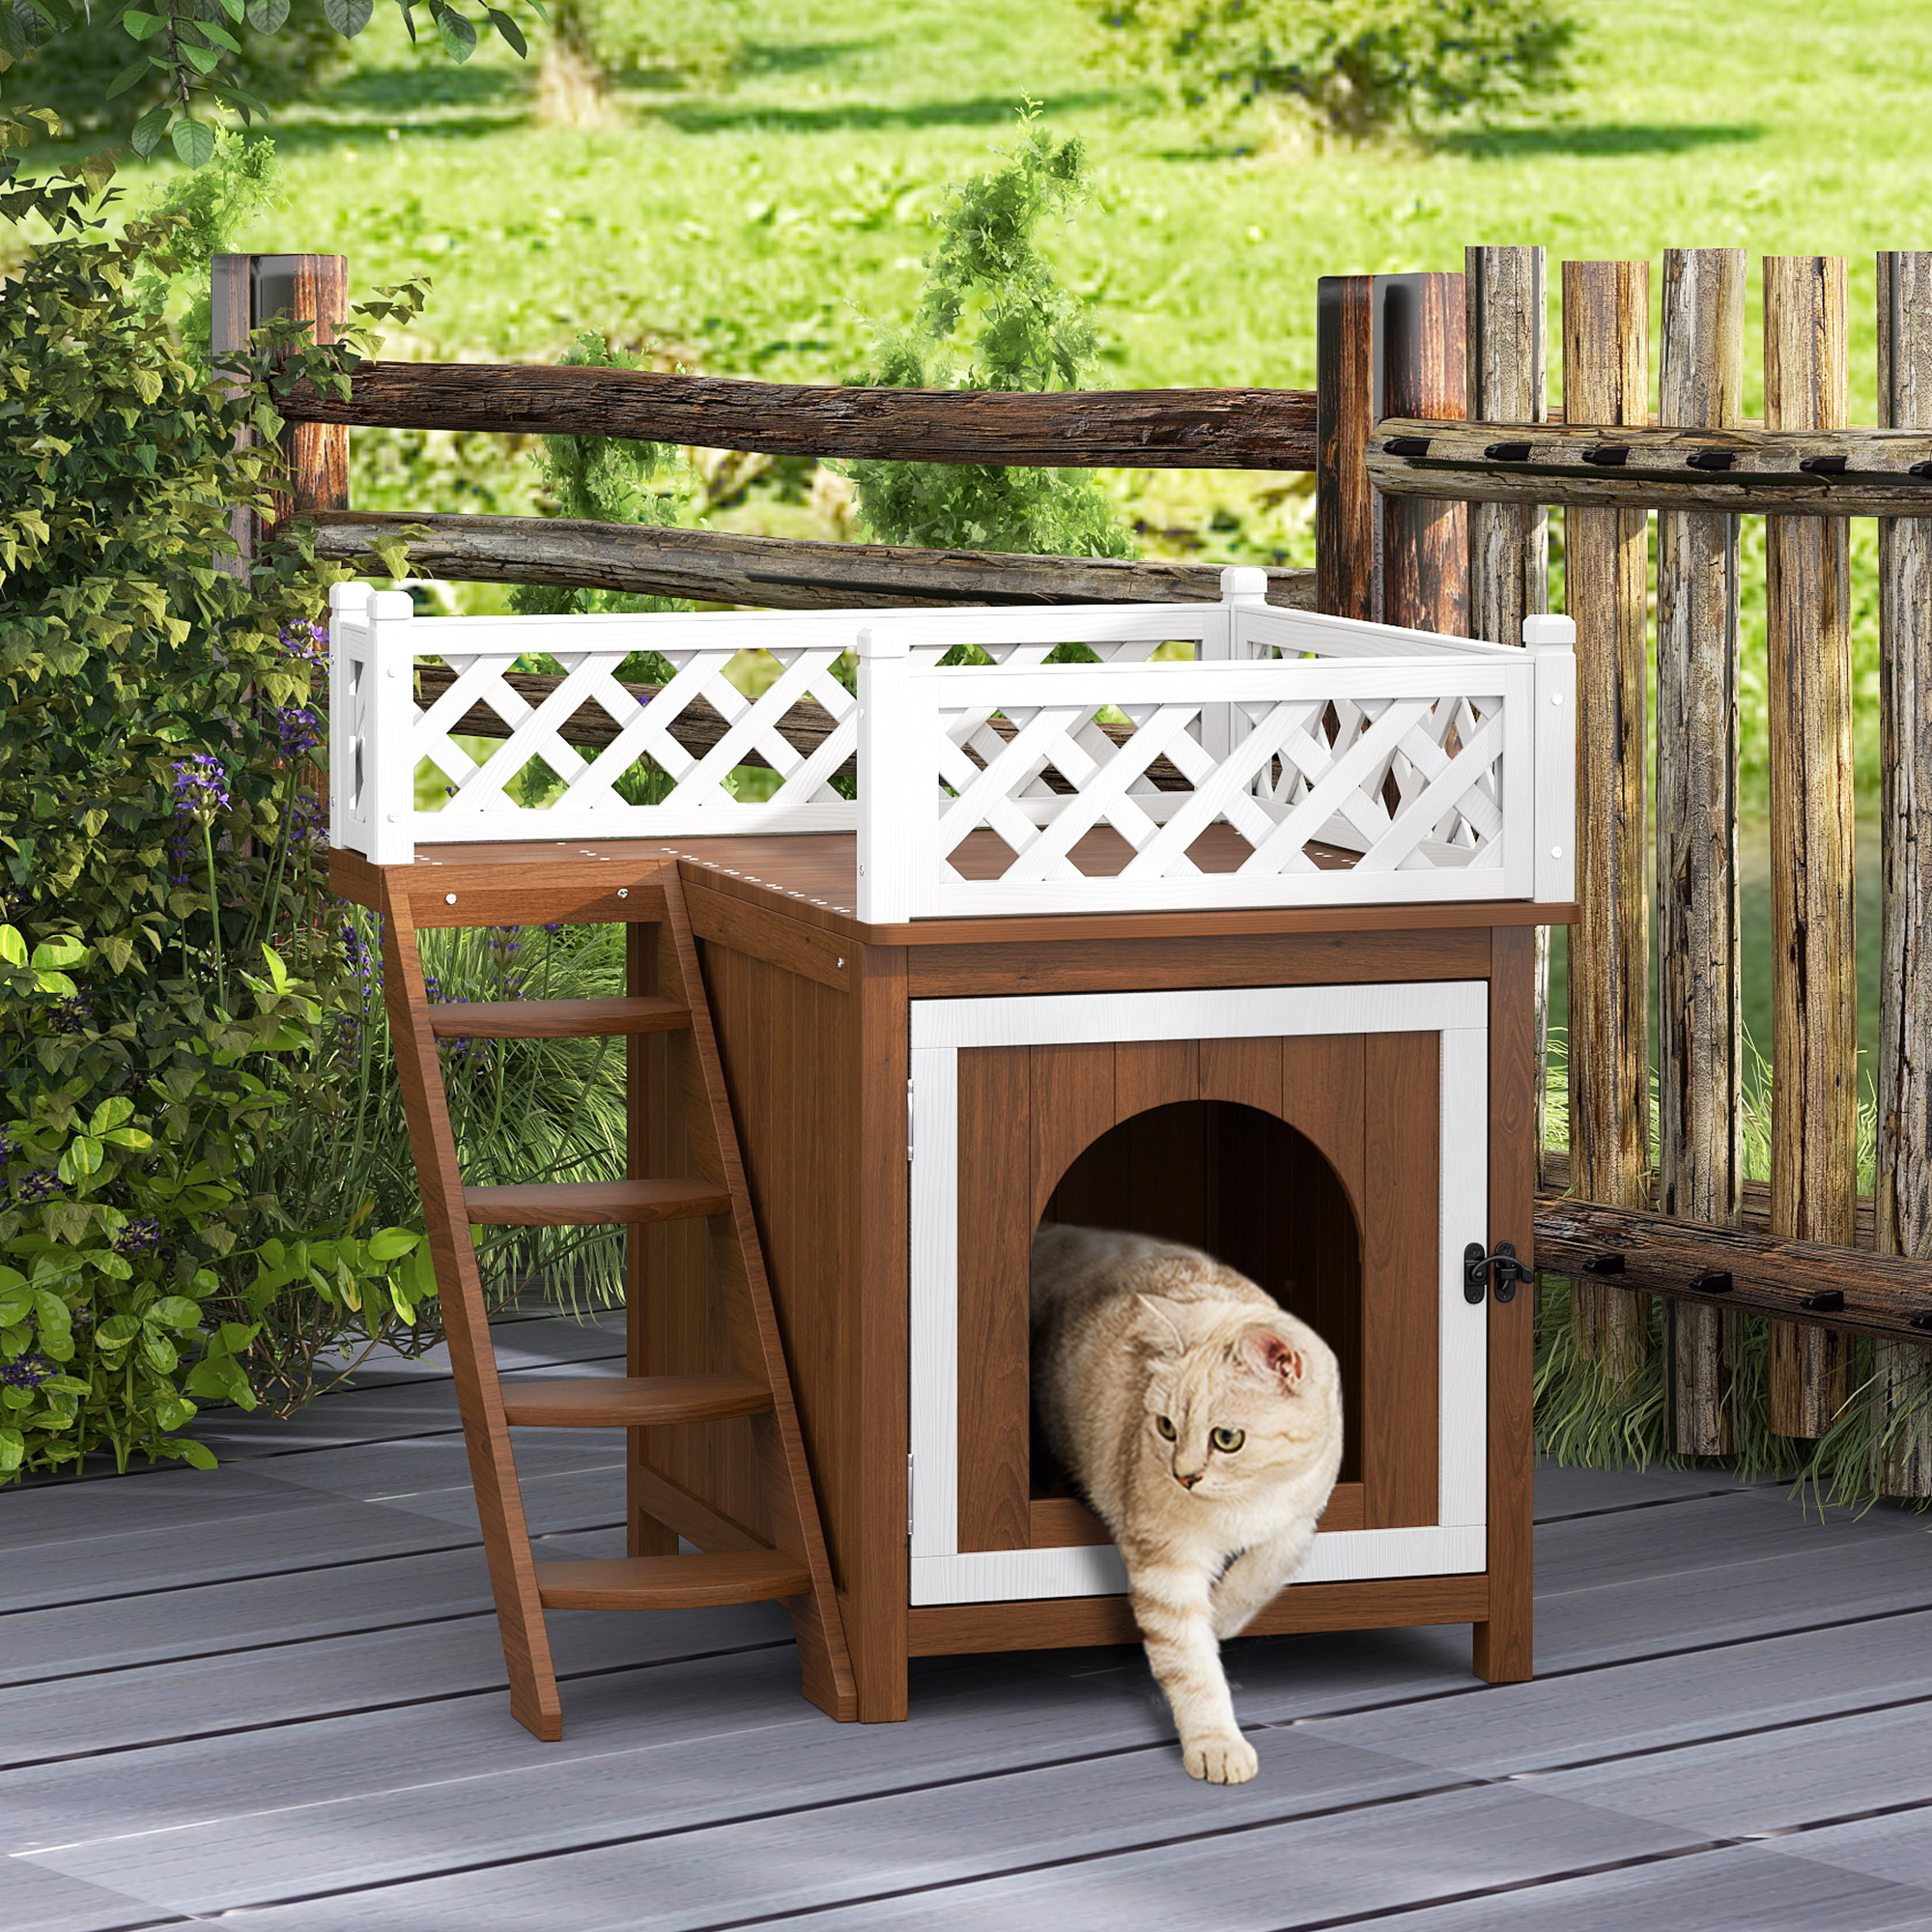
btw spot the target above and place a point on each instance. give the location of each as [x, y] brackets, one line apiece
[1509, 1267]
[909, 1508]
[909, 1119]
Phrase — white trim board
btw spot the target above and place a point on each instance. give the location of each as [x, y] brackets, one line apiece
[1095, 1569]
[1219, 1012]
[1456, 1012]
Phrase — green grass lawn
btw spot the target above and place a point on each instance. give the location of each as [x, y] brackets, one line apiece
[750, 224]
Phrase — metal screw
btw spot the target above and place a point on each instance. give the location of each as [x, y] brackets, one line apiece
[450, 898]
[1556, 698]
[842, 962]
[623, 892]
[1556, 851]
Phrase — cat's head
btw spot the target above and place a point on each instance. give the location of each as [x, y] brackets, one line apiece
[1233, 1401]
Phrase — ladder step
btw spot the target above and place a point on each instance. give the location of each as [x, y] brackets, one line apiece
[556, 1019]
[672, 1582]
[580, 1204]
[631, 1401]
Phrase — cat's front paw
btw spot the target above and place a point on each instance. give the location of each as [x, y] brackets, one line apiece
[1222, 1758]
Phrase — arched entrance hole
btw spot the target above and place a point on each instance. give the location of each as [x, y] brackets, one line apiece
[1247, 1188]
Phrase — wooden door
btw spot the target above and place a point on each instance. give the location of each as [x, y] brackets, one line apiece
[1269, 1126]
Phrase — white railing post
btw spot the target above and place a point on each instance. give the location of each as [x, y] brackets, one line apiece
[1552, 642]
[389, 714]
[899, 786]
[348, 664]
[1243, 587]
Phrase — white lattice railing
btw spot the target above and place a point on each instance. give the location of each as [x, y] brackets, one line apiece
[1290, 759]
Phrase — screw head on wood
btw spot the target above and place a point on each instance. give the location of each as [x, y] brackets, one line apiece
[450, 898]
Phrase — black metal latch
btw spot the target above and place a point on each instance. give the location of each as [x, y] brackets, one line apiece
[1476, 1267]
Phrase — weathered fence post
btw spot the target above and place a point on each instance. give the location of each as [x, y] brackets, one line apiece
[1388, 345]
[1509, 543]
[249, 290]
[1904, 1186]
[1813, 850]
[1607, 380]
[1699, 1067]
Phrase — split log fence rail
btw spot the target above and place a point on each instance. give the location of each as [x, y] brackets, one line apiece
[1436, 463]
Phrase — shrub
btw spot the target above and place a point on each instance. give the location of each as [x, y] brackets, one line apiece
[168, 961]
[1353, 68]
[1029, 332]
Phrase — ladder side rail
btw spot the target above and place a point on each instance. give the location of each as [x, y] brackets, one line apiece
[513, 1580]
[824, 1660]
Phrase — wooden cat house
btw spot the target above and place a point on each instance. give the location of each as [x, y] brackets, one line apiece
[1225, 932]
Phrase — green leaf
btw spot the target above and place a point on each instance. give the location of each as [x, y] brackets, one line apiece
[511, 33]
[389, 1244]
[128, 1137]
[194, 140]
[176, 1311]
[197, 1455]
[113, 1112]
[141, 27]
[348, 17]
[204, 60]
[150, 130]
[13, 947]
[83, 1156]
[265, 16]
[459, 37]
[126, 78]
[236, 10]
[53, 954]
[213, 31]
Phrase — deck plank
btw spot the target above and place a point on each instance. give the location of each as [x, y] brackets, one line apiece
[41, 1900]
[1734, 1889]
[811, 1859]
[213, 1619]
[1265, 1878]
[1650, 1706]
[1738, 1787]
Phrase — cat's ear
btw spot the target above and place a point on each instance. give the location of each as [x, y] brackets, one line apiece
[1270, 1357]
[1166, 1334]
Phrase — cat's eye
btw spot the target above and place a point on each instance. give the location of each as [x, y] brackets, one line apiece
[1166, 1427]
[1228, 1440]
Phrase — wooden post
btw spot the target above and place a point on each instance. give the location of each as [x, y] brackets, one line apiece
[1904, 1190]
[1386, 345]
[1421, 371]
[249, 290]
[1700, 1147]
[1607, 380]
[1509, 543]
[1347, 524]
[1814, 1039]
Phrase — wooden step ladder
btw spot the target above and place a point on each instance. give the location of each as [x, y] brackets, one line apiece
[772, 1547]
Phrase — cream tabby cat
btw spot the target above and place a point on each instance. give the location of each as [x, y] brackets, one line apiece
[1203, 1424]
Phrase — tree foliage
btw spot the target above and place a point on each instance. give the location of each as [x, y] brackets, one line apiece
[186, 58]
[989, 277]
[1354, 67]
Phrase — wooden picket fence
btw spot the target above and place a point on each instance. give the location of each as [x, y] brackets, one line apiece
[1436, 464]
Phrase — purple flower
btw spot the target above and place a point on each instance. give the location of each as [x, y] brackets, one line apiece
[42, 1184]
[296, 728]
[26, 1372]
[200, 786]
[308, 641]
[9, 1146]
[142, 1233]
[68, 1015]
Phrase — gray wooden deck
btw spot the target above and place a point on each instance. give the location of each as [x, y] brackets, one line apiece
[274, 1692]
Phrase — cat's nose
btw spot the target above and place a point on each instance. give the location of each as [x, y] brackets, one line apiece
[1187, 1482]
